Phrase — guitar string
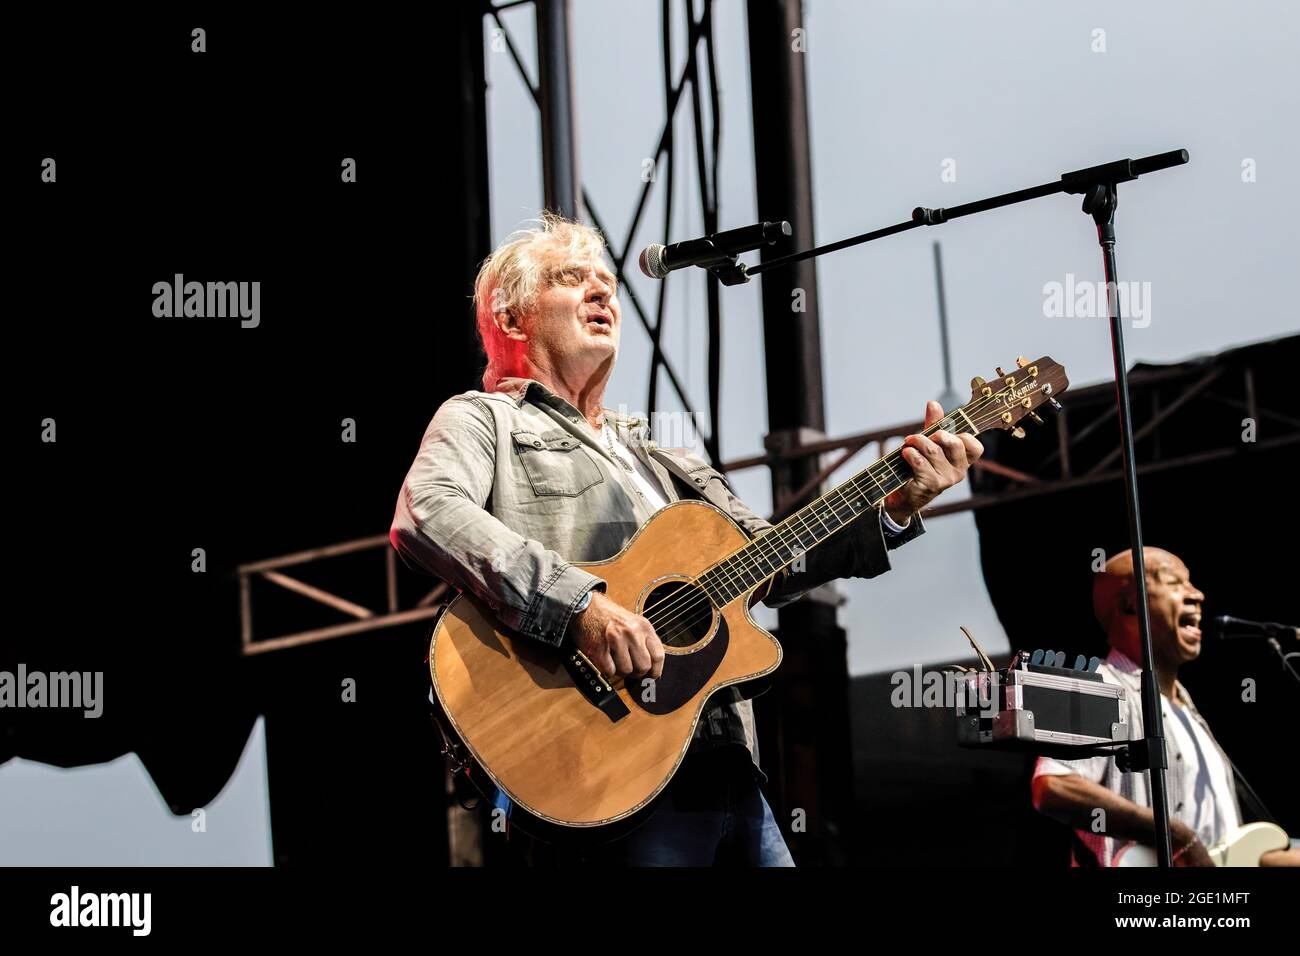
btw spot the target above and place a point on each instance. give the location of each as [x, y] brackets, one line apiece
[885, 464]
[691, 601]
[736, 579]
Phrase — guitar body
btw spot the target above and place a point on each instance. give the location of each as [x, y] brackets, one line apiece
[561, 759]
[1243, 847]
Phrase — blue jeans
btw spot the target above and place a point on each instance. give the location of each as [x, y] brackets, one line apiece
[711, 814]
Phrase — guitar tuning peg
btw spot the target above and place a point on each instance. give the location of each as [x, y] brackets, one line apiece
[1001, 374]
[977, 383]
[1093, 664]
[1034, 416]
[1055, 404]
[1037, 656]
[1021, 361]
[1018, 432]
[1080, 662]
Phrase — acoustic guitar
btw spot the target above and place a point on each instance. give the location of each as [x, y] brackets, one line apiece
[1243, 846]
[575, 751]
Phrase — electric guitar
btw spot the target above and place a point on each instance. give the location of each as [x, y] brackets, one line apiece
[1243, 847]
[579, 752]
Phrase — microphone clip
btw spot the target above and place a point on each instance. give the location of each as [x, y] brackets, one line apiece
[731, 272]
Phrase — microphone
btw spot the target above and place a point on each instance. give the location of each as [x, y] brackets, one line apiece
[1234, 628]
[658, 260]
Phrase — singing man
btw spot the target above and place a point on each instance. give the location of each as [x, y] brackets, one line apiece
[506, 522]
[1201, 780]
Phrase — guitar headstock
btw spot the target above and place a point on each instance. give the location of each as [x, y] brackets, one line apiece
[1003, 401]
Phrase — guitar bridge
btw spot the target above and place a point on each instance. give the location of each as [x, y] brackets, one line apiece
[593, 685]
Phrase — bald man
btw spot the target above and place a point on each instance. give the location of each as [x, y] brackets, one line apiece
[1201, 785]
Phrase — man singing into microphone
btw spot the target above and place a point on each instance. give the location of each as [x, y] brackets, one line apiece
[1203, 805]
[514, 482]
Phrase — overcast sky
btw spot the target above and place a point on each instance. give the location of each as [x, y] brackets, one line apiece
[1007, 94]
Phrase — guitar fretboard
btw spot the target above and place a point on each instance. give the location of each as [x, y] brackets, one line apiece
[812, 524]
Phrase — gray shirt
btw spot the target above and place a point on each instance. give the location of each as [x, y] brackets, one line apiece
[506, 492]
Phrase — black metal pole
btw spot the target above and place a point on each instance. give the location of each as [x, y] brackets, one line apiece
[709, 205]
[1285, 658]
[555, 76]
[803, 722]
[1100, 202]
[1098, 185]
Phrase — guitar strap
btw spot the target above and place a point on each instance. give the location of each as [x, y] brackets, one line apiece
[694, 484]
[1247, 796]
[1241, 787]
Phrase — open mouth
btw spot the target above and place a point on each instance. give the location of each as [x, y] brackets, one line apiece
[601, 320]
[1189, 625]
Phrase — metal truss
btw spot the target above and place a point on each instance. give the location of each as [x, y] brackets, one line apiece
[1073, 462]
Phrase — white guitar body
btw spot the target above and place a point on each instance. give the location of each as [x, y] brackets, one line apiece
[1243, 847]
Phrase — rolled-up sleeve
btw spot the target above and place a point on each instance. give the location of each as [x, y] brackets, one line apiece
[441, 526]
[1090, 768]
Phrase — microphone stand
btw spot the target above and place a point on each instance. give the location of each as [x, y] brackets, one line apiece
[1098, 186]
[1285, 658]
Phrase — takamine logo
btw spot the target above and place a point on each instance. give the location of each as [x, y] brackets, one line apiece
[103, 909]
[1013, 396]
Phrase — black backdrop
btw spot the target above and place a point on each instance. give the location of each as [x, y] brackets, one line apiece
[175, 434]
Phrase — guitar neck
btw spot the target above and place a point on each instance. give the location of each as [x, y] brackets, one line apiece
[783, 544]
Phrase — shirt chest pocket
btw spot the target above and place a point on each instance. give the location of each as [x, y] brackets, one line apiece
[555, 464]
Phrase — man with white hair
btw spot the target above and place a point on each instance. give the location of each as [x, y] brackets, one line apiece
[516, 481]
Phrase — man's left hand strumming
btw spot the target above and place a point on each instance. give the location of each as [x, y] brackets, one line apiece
[938, 461]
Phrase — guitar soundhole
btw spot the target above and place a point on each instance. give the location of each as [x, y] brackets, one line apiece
[680, 612]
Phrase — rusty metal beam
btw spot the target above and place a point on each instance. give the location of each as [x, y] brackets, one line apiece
[856, 441]
[340, 630]
[898, 431]
[1049, 487]
[813, 483]
[430, 598]
[390, 579]
[1063, 442]
[983, 465]
[317, 594]
[315, 554]
[1254, 410]
[1006, 471]
[367, 620]
[1203, 383]
[1252, 407]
